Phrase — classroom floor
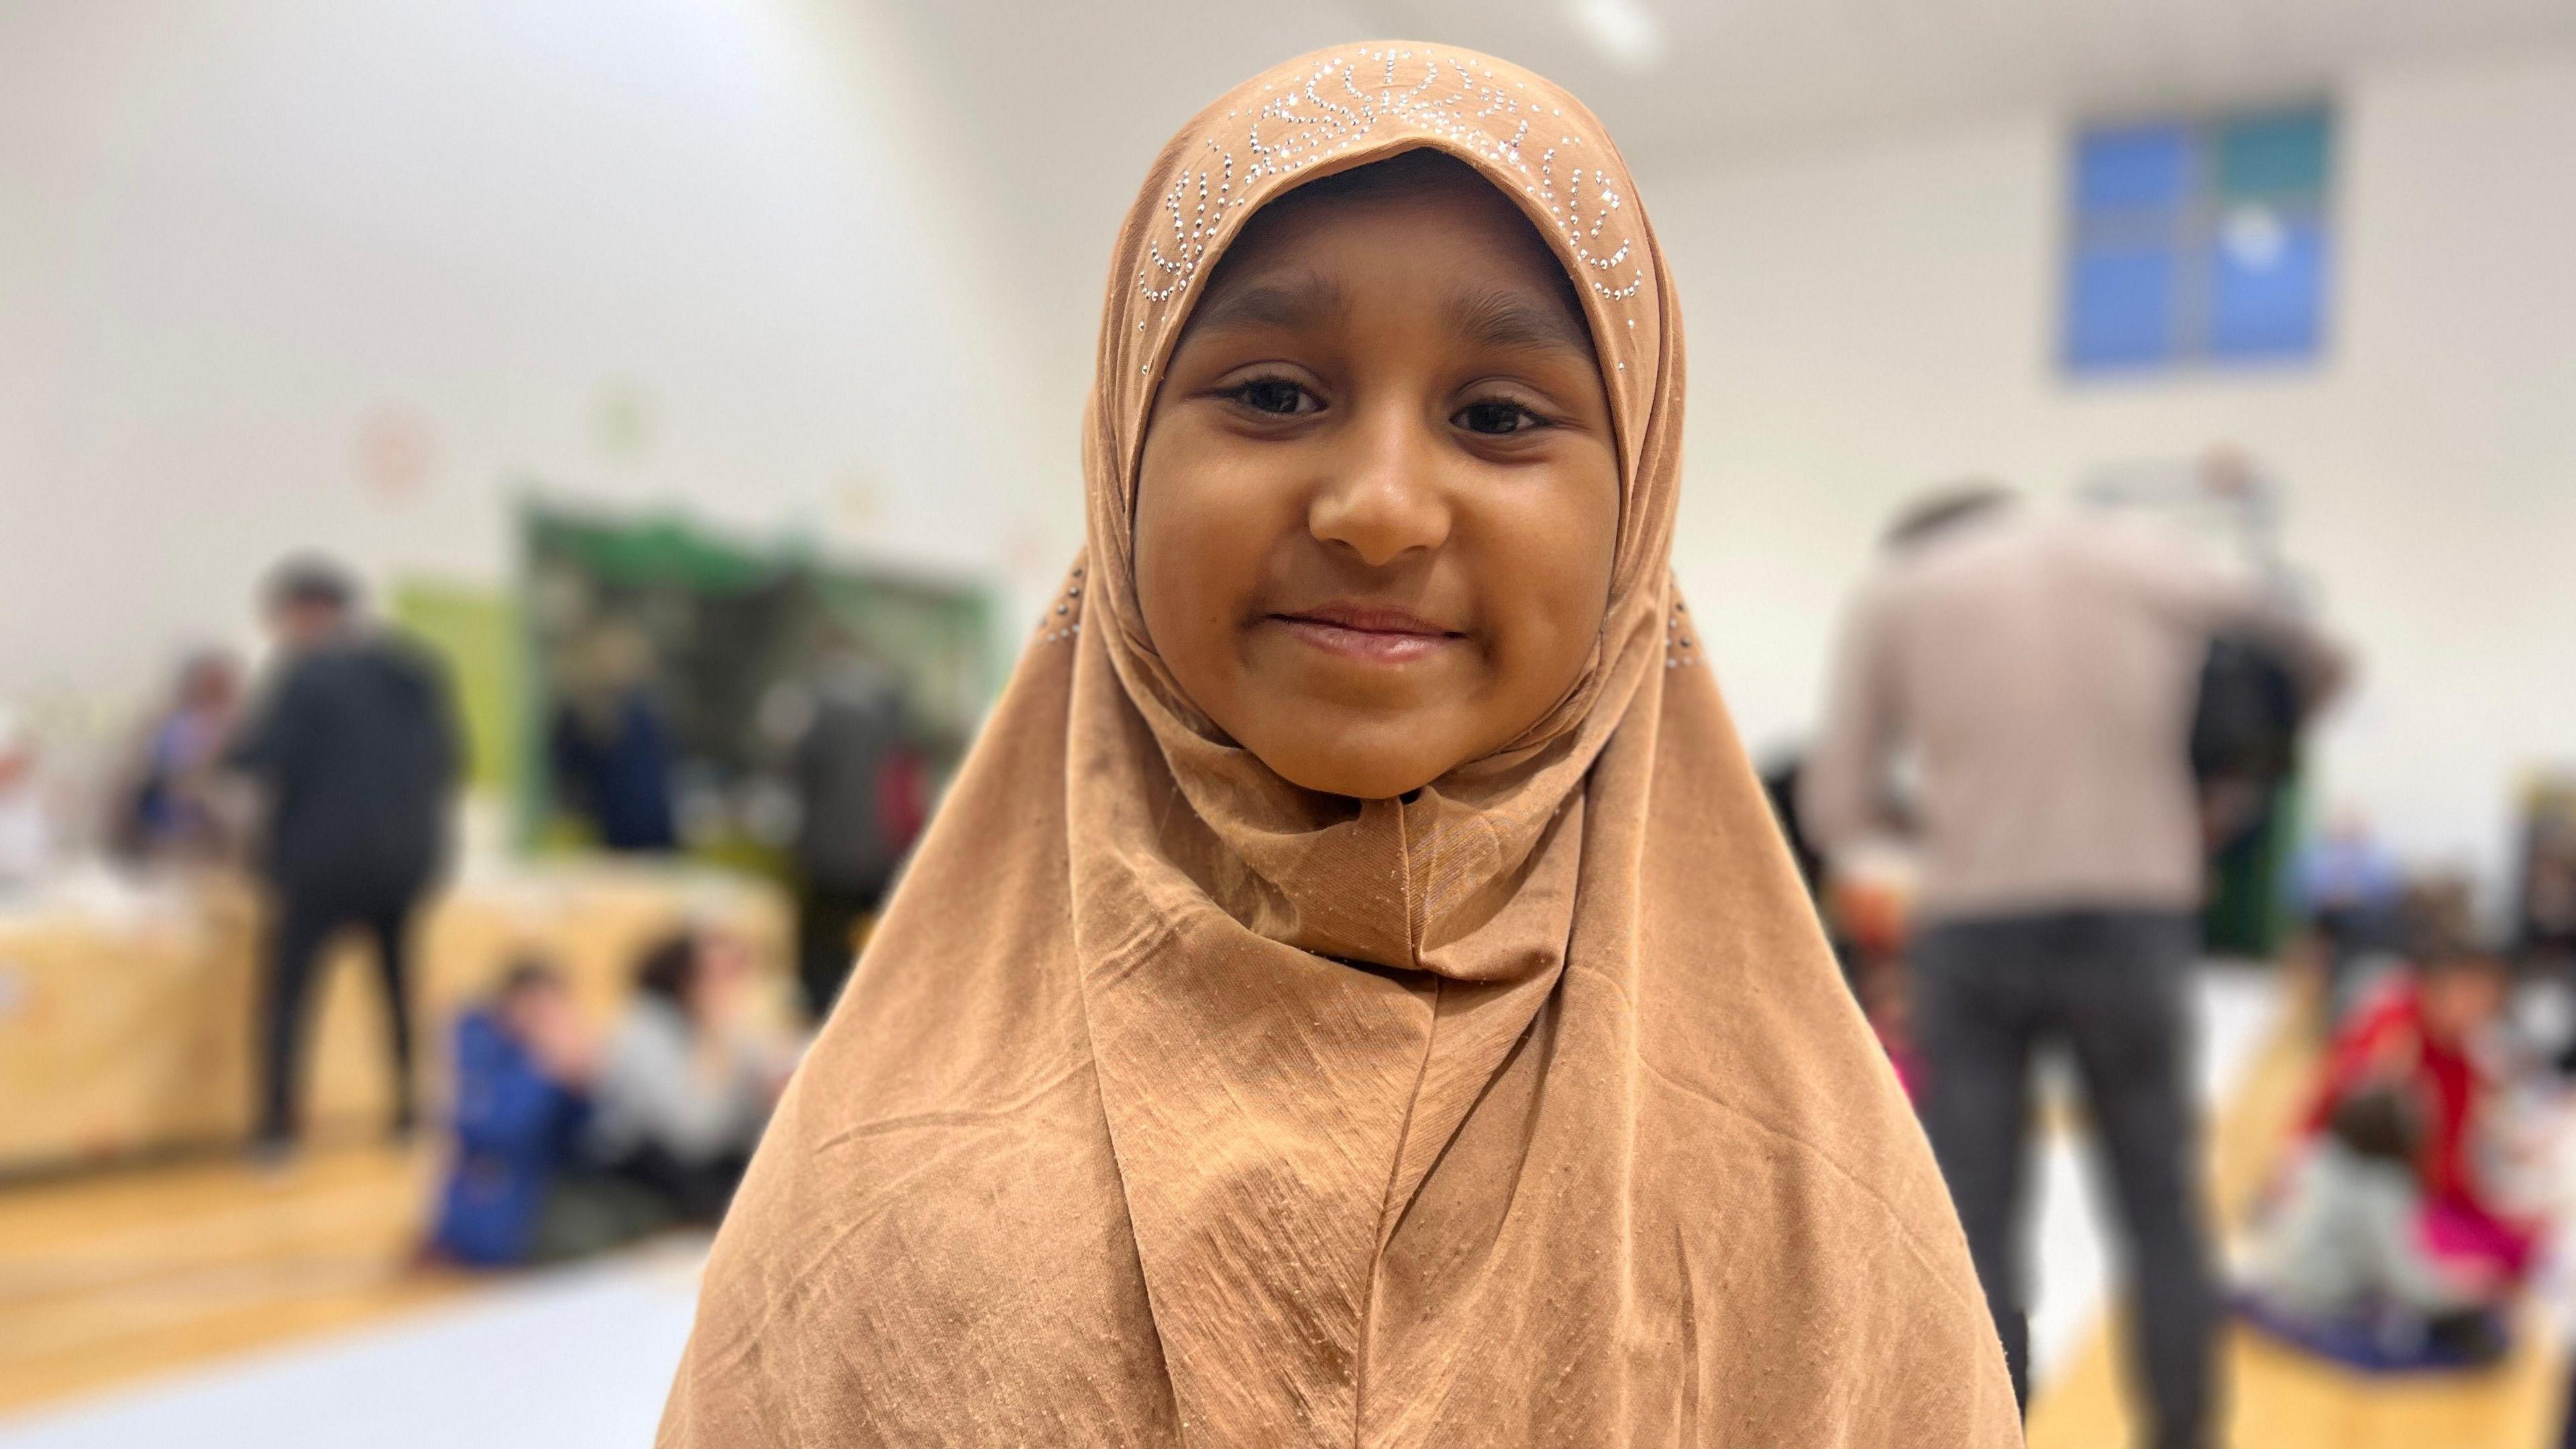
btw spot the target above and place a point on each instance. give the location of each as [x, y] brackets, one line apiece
[209, 1303]
[217, 1305]
[117, 1276]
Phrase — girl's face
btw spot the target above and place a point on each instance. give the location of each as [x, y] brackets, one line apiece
[1379, 492]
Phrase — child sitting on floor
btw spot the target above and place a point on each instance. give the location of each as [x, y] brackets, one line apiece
[2388, 1238]
[522, 1067]
[2344, 1250]
[520, 1188]
[2427, 1034]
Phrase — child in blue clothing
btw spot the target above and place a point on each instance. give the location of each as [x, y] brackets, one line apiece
[517, 1190]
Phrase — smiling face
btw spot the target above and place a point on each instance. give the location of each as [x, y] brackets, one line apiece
[1379, 493]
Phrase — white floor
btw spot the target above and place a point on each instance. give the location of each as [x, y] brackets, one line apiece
[582, 1357]
[565, 1360]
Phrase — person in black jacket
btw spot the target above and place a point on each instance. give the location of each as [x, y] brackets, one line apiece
[861, 786]
[356, 754]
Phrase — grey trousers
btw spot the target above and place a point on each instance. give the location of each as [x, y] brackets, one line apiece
[2112, 987]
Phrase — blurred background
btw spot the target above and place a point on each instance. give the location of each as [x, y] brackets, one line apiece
[654, 426]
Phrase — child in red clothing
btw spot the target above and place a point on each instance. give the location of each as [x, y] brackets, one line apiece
[2421, 1036]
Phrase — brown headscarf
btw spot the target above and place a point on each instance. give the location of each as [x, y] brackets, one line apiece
[1173, 1104]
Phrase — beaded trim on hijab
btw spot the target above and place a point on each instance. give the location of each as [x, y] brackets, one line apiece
[1679, 647]
[1063, 618]
[1333, 110]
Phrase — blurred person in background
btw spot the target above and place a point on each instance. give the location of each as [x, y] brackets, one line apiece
[354, 751]
[2430, 1034]
[173, 805]
[862, 794]
[2351, 891]
[1886, 995]
[2037, 673]
[26, 832]
[688, 1078]
[611, 748]
[524, 1064]
[1780, 785]
[2341, 1262]
[2545, 904]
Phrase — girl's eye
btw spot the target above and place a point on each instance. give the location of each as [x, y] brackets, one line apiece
[1277, 396]
[1497, 419]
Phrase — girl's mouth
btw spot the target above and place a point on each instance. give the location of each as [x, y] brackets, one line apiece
[1370, 633]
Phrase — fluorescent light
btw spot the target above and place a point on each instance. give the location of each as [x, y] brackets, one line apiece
[1624, 31]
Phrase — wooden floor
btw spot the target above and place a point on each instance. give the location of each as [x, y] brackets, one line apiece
[117, 1277]
[2283, 1399]
[121, 1275]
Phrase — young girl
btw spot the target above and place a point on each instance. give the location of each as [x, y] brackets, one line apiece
[1355, 993]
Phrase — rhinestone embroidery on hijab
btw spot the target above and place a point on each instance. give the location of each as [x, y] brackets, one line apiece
[1332, 112]
[1063, 618]
[1679, 647]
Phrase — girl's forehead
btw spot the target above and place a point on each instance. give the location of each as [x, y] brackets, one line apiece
[1300, 264]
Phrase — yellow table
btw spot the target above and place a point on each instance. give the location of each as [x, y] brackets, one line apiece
[128, 1015]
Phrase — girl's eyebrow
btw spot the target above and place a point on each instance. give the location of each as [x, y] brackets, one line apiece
[1498, 317]
[1288, 303]
[1511, 320]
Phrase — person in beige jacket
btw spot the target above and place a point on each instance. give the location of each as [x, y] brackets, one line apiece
[2038, 673]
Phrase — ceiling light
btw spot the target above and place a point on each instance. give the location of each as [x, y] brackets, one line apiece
[1624, 31]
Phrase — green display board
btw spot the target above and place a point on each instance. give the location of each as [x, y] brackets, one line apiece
[717, 628]
[476, 631]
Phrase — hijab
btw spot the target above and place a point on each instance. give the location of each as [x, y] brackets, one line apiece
[1172, 1104]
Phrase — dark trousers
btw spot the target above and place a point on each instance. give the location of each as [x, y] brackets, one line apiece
[694, 1192]
[307, 920]
[2111, 986]
[827, 923]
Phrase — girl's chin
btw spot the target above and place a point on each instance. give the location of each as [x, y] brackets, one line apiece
[1366, 758]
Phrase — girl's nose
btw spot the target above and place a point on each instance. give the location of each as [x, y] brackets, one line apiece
[1383, 500]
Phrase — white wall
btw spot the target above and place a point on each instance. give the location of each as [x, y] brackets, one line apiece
[1052, 113]
[850, 254]
[1877, 317]
[236, 234]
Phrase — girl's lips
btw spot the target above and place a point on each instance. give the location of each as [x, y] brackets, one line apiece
[1368, 633]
